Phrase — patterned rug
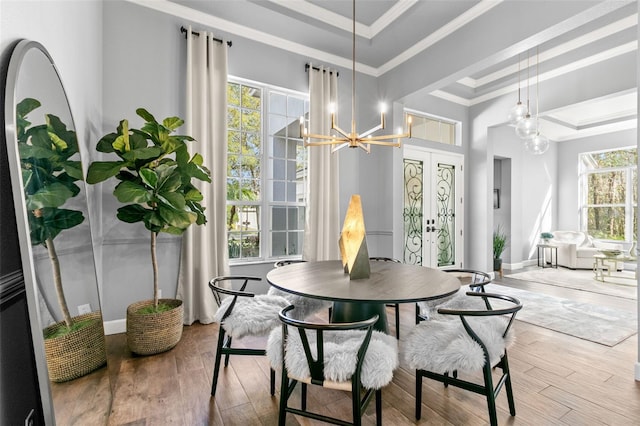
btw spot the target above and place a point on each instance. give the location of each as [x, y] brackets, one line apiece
[582, 280]
[598, 324]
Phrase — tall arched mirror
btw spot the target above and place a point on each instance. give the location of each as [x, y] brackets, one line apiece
[55, 235]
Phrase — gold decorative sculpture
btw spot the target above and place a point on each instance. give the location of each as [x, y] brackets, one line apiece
[353, 242]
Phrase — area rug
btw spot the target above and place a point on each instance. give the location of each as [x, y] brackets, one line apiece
[598, 324]
[581, 280]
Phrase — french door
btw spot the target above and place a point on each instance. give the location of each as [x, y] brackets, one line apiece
[433, 211]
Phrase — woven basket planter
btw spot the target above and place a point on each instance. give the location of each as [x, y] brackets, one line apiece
[149, 334]
[77, 353]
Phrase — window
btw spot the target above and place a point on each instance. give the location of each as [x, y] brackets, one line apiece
[432, 128]
[608, 182]
[266, 172]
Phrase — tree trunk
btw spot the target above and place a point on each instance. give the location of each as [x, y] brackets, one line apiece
[57, 281]
[154, 262]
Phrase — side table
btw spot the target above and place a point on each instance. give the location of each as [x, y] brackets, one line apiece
[553, 256]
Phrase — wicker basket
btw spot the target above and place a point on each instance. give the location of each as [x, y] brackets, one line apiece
[149, 334]
[77, 353]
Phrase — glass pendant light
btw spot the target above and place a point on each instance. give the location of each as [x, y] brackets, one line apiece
[539, 144]
[527, 127]
[519, 111]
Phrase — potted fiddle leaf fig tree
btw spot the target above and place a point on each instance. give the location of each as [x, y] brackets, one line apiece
[155, 173]
[74, 346]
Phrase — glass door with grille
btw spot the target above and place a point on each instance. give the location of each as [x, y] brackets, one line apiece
[432, 208]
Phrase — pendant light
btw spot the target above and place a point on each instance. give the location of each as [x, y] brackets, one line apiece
[519, 111]
[539, 143]
[528, 126]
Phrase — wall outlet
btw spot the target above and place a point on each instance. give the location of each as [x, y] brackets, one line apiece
[84, 309]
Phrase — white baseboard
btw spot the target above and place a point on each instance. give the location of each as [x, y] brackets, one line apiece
[115, 327]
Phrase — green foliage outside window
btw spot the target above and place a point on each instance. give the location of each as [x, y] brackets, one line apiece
[610, 182]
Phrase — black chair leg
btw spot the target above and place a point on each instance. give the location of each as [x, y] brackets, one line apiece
[284, 396]
[397, 307]
[505, 370]
[491, 397]
[303, 391]
[379, 407]
[226, 357]
[418, 395]
[272, 377]
[356, 407]
[216, 364]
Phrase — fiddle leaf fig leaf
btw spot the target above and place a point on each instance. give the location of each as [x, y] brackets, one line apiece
[131, 192]
[73, 169]
[149, 177]
[172, 123]
[62, 219]
[53, 195]
[60, 144]
[193, 195]
[105, 144]
[177, 218]
[150, 153]
[102, 170]
[145, 115]
[172, 199]
[132, 213]
[27, 105]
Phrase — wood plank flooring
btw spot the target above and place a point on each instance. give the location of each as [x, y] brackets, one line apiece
[558, 380]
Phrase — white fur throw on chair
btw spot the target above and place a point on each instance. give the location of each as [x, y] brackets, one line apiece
[305, 306]
[340, 353]
[251, 316]
[458, 301]
[445, 346]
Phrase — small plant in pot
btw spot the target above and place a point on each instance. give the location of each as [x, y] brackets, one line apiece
[155, 171]
[75, 346]
[499, 246]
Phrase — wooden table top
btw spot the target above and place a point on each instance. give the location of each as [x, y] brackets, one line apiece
[389, 282]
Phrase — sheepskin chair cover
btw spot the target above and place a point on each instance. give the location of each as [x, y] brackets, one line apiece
[458, 300]
[445, 346]
[251, 316]
[340, 355]
[305, 306]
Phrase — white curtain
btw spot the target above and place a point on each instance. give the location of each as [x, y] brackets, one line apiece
[322, 227]
[204, 248]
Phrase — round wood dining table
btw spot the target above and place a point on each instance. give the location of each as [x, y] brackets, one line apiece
[356, 300]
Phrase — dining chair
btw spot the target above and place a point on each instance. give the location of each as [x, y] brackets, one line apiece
[440, 349]
[343, 356]
[395, 306]
[305, 306]
[241, 314]
[470, 280]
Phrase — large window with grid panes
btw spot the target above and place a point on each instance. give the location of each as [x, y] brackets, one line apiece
[608, 196]
[266, 172]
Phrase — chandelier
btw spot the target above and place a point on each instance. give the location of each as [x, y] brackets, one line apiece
[340, 138]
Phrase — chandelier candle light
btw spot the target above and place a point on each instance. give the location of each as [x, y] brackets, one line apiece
[353, 139]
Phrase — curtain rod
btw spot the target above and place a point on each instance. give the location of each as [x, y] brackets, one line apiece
[307, 66]
[195, 33]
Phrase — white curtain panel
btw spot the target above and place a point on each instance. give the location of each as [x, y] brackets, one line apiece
[204, 252]
[322, 227]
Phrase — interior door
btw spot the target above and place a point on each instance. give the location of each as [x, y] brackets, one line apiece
[433, 210]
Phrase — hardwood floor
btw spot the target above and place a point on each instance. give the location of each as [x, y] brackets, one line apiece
[558, 380]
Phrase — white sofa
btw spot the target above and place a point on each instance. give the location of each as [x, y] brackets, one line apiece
[576, 249]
